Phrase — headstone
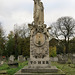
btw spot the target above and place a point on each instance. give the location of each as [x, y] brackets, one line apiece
[54, 59]
[65, 57]
[21, 58]
[12, 63]
[24, 59]
[70, 55]
[11, 58]
[2, 62]
[62, 59]
[73, 59]
[28, 59]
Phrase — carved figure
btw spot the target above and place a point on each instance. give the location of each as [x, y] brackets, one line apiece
[38, 12]
[46, 31]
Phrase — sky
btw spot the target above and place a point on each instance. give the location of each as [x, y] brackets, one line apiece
[21, 11]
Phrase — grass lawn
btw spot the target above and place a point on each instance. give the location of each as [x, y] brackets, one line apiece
[68, 69]
[11, 71]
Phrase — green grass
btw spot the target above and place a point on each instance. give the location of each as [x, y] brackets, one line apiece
[68, 69]
[11, 71]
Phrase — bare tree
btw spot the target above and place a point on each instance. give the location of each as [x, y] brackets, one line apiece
[22, 31]
[64, 28]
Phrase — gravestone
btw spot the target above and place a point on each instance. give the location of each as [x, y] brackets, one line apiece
[12, 63]
[11, 58]
[70, 55]
[21, 58]
[63, 58]
[39, 63]
[2, 62]
[28, 59]
[54, 59]
[24, 59]
[73, 59]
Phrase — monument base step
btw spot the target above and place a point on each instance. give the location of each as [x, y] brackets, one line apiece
[51, 71]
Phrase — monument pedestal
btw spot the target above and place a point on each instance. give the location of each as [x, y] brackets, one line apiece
[40, 71]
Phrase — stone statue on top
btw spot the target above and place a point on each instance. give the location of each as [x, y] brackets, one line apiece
[38, 12]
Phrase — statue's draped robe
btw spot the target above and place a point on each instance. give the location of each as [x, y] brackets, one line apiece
[38, 12]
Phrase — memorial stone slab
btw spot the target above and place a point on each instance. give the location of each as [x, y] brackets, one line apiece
[54, 59]
[24, 59]
[21, 58]
[73, 59]
[11, 58]
[12, 63]
[62, 59]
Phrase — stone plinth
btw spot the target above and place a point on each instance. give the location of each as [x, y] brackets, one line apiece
[40, 71]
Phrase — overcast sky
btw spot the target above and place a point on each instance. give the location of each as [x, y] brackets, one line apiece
[21, 11]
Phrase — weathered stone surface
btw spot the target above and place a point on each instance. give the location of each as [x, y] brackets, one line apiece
[19, 73]
[2, 62]
[21, 58]
[41, 71]
[12, 63]
[11, 58]
[54, 59]
[28, 59]
[62, 59]
[38, 12]
[39, 53]
[73, 59]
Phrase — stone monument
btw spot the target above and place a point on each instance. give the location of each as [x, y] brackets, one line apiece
[73, 59]
[39, 38]
[38, 12]
[39, 45]
[11, 58]
[21, 58]
[12, 62]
